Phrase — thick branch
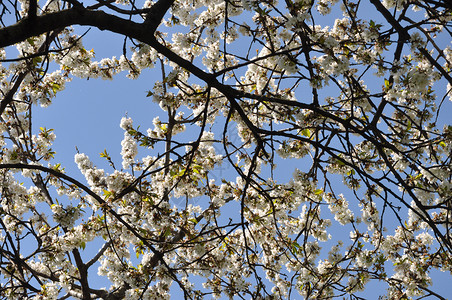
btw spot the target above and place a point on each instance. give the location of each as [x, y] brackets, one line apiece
[32, 9]
[21, 30]
[156, 14]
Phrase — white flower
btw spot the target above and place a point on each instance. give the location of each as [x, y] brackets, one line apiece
[425, 238]
[129, 150]
[82, 161]
[126, 123]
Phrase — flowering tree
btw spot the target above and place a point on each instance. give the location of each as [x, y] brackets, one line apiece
[349, 92]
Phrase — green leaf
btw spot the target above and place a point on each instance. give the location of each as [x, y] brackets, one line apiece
[373, 25]
[31, 41]
[306, 132]
[181, 172]
[55, 87]
[50, 154]
[107, 194]
[167, 232]
[196, 168]
[36, 60]
[58, 167]
[45, 132]
[340, 162]
[104, 154]
[296, 247]
[318, 192]
[408, 126]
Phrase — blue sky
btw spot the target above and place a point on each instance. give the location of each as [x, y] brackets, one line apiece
[87, 113]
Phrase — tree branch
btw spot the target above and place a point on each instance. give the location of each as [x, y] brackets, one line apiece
[42, 50]
[156, 14]
[32, 10]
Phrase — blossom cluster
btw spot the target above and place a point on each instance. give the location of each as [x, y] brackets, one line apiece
[331, 134]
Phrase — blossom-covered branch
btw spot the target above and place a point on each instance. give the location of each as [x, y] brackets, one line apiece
[294, 149]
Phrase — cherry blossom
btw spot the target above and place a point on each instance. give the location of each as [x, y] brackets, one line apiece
[296, 149]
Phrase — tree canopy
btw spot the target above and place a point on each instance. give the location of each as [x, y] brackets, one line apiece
[351, 96]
